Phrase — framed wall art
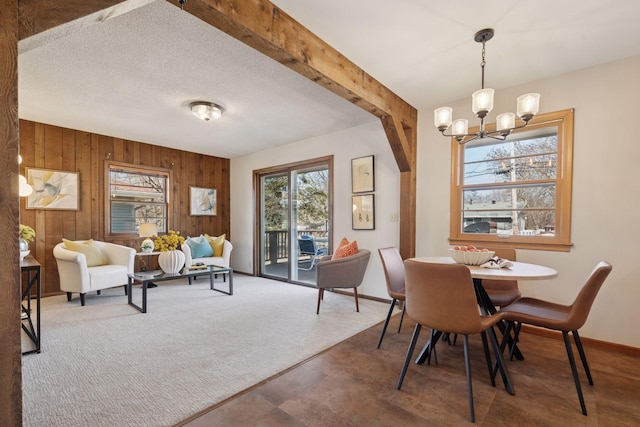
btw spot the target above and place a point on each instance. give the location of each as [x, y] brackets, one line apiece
[362, 175]
[52, 189]
[202, 201]
[363, 212]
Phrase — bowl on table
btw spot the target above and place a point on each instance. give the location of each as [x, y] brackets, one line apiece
[471, 257]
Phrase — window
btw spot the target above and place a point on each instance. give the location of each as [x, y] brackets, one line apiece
[515, 192]
[136, 195]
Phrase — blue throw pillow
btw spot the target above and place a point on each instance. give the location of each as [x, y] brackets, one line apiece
[200, 248]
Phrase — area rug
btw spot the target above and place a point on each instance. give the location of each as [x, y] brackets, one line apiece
[106, 364]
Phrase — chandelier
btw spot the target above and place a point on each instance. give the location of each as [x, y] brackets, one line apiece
[482, 104]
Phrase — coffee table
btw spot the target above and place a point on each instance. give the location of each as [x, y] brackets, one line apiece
[158, 276]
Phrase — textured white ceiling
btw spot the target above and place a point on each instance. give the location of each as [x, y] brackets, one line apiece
[131, 71]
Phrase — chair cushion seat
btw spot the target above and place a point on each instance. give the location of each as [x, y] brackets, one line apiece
[104, 276]
[503, 298]
[539, 313]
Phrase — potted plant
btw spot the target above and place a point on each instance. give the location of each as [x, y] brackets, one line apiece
[26, 235]
[171, 258]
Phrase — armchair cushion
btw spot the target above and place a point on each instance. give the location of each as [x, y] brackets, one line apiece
[217, 244]
[346, 250]
[200, 247]
[91, 251]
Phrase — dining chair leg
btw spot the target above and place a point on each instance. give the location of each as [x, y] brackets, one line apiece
[574, 370]
[506, 379]
[386, 322]
[320, 295]
[487, 355]
[467, 366]
[412, 346]
[583, 356]
[355, 294]
[516, 337]
[404, 306]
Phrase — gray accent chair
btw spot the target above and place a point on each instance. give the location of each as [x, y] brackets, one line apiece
[342, 273]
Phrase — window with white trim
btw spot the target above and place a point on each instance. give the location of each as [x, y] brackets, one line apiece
[136, 195]
[515, 192]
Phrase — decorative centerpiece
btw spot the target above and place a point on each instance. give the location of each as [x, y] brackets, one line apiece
[26, 235]
[171, 258]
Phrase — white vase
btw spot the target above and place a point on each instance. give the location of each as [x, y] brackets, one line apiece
[24, 248]
[171, 261]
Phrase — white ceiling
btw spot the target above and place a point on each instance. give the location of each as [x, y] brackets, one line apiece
[131, 71]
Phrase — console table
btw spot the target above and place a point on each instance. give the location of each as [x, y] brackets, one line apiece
[32, 268]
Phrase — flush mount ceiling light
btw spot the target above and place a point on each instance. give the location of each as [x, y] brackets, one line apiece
[206, 110]
[482, 104]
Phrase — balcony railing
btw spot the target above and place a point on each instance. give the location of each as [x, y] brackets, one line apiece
[276, 248]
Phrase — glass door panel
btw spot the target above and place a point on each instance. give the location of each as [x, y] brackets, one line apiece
[294, 221]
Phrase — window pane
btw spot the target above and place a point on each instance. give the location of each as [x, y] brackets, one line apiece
[540, 222]
[522, 159]
[137, 197]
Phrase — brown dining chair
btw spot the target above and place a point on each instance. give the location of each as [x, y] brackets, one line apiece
[502, 292]
[442, 297]
[564, 318]
[394, 275]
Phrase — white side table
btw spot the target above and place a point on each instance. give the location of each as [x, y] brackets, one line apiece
[148, 255]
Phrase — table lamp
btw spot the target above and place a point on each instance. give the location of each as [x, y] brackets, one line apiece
[147, 230]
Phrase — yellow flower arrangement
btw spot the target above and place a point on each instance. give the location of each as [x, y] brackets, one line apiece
[27, 233]
[168, 242]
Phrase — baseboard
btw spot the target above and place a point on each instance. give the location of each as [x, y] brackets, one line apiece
[361, 296]
[587, 342]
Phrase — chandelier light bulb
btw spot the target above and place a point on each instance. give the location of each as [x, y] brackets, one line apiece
[442, 117]
[482, 102]
[528, 105]
[460, 127]
[505, 121]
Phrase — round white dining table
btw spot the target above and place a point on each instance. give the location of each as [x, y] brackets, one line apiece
[518, 270]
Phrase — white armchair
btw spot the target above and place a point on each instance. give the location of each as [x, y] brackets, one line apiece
[76, 276]
[222, 261]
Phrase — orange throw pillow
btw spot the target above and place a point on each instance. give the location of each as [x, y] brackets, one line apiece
[346, 250]
[343, 242]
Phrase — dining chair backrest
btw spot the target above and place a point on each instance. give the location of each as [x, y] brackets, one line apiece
[442, 297]
[501, 285]
[393, 271]
[582, 305]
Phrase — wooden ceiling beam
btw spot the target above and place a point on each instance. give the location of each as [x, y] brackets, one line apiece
[268, 29]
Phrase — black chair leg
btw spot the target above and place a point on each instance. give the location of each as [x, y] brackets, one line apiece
[404, 306]
[320, 296]
[516, 336]
[467, 366]
[68, 296]
[583, 357]
[82, 300]
[574, 370]
[506, 379]
[125, 289]
[412, 346]
[487, 355]
[386, 322]
[98, 292]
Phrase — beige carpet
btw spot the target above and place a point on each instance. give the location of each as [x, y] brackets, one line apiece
[106, 364]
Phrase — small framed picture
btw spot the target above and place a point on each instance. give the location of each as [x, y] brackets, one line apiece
[363, 212]
[202, 201]
[362, 175]
[52, 189]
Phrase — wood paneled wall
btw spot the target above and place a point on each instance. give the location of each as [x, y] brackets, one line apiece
[52, 147]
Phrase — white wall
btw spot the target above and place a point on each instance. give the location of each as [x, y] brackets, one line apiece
[606, 191]
[344, 145]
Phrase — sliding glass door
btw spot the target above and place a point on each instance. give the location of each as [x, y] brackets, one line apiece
[294, 219]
